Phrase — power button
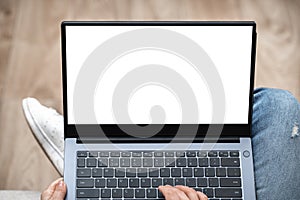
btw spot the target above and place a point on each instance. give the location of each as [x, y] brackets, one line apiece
[246, 154]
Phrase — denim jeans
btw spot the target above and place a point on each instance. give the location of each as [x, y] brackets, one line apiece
[276, 145]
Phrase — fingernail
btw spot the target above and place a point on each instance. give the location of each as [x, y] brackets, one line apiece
[60, 184]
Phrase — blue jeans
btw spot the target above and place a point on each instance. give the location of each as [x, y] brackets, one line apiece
[276, 146]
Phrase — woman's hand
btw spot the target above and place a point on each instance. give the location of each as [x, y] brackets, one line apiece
[56, 191]
[181, 193]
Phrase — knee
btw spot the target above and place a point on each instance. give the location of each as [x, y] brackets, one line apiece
[275, 106]
[276, 101]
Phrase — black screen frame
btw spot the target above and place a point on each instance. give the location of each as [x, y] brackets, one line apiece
[169, 130]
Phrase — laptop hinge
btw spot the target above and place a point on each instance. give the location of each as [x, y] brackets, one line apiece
[157, 140]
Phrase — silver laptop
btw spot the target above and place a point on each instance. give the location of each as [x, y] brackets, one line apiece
[157, 103]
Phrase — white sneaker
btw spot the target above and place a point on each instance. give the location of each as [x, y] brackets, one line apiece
[47, 127]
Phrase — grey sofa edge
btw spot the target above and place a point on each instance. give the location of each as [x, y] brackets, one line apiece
[19, 195]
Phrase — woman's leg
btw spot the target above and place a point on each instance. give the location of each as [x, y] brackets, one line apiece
[276, 145]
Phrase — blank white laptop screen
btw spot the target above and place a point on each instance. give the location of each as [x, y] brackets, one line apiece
[227, 47]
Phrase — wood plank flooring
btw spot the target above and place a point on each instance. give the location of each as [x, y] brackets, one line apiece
[30, 60]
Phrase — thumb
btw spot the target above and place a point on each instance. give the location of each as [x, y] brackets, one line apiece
[60, 191]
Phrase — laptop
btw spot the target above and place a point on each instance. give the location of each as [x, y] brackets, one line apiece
[158, 103]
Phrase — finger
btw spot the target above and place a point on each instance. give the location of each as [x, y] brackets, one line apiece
[181, 194]
[189, 192]
[202, 196]
[47, 193]
[60, 191]
[168, 192]
[175, 192]
[53, 184]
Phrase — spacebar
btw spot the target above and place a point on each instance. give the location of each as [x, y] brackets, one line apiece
[228, 192]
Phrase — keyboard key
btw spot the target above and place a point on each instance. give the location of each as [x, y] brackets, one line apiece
[115, 154]
[148, 162]
[202, 182]
[221, 172]
[209, 192]
[123, 183]
[158, 154]
[136, 162]
[168, 181]
[213, 182]
[134, 182]
[156, 182]
[139, 193]
[128, 193]
[230, 182]
[105, 193]
[170, 162]
[83, 172]
[181, 162]
[119, 172]
[228, 192]
[111, 182]
[125, 162]
[136, 154]
[114, 162]
[234, 153]
[97, 172]
[165, 172]
[230, 162]
[214, 162]
[104, 154]
[146, 182]
[91, 162]
[176, 172]
[153, 172]
[169, 154]
[158, 162]
[198, 172]
[187, 172]
[93, 154]
[180, 154]
[100, 183]
[81, 153]
[108, 172]
[192, 162]
[84, 193]
[85, 183]
[116, 193]
[191, 154]
[80, 162]
[202, 154]
[160, 195]
[233, 172]
[179, 181]
[203, 162]
[125, 154]
[191, 182]
[142, 172]
[102, 162]
[147, 154]
[151, 193]
[131, 172]
[223, 153]
[213, 154]
[209, 172]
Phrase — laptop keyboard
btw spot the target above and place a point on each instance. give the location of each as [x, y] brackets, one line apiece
[137, 174]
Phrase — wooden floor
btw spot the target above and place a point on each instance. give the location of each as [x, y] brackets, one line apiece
[30, 60]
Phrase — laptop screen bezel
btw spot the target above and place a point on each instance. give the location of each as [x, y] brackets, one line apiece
[92, 130]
